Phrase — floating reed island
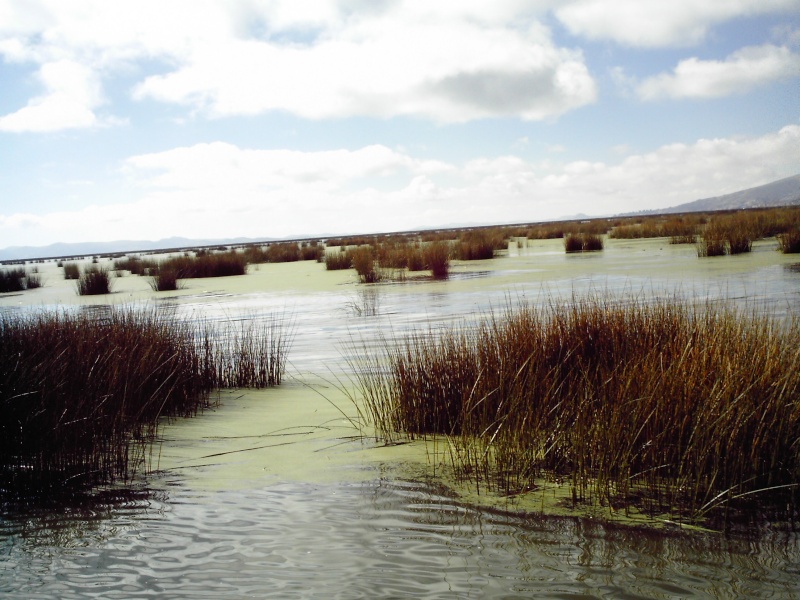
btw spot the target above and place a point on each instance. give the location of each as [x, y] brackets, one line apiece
[82, 393]
[661, 407]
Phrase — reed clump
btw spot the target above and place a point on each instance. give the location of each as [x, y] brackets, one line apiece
[338, 260]
[789, 242]
[18, 280]
[71, 271]
[363, 260]
[680, 230]
[583, 242]
[218, 264]
[165, 280]
[480, 244]
[93, 281]
[666, 406]
[436, 258]
[82, 393]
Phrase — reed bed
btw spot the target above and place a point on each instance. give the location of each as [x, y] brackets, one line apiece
[583, 242]
[480, 244]
[436, 258]
[82, 393]
[680, 230]
[71, 271]
[665, 406]
[339, 260]
[94, 281]
[734, 233]
[165, 280]
[18, 280]
[364, 262]
[218, 264]
[789, 242]
[134, 264]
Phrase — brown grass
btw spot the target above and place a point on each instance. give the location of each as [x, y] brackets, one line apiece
[661, 405]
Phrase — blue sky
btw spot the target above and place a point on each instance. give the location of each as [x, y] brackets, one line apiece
[275, 118]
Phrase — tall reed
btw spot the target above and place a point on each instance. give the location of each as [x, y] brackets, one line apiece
[582, 242]
[789, 242]
[662, 405]
[437, 258]
[82, 393]
[480, 244]
[337, 261]
[365, 265]
[218, 264]
[18, 280]
[93, 281]
[71, 271]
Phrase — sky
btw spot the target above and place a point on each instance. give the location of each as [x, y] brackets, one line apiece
[211, 119]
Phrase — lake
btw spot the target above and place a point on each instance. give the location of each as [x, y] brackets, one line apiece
[286, 493]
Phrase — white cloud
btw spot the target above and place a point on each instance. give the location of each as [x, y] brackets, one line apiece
[448, 62]
[740, 72]
[220, 190]
[657, 23]
[72, 94]
[449, 71]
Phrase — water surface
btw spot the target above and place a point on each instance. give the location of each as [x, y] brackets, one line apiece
[283, 493]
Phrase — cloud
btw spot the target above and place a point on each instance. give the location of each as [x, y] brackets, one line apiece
[448, 71]
[659, 23]
[740, 72]
[220, 190]
[72, 93]
[447, 62]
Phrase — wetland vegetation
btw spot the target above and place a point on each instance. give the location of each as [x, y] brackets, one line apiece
[661, 406]
[82, 393]
[620, 399]
[660, 401]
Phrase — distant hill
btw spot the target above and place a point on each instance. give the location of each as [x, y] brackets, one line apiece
[783, 192]
[94, 248]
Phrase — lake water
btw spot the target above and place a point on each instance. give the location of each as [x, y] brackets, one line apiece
[283, 493]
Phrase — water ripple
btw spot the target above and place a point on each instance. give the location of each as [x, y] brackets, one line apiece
[371, 540]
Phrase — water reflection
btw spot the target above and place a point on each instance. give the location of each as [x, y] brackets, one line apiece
[376, 539]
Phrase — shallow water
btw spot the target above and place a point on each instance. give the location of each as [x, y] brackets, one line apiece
[282, 493]
[375, 539]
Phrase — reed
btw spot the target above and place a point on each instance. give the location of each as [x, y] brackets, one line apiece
[312, 251]
[338, 261]
[283, 252]
[219, 264]
[665, 406]
[583, 242]
[436, 256]
[71, 271]
[480, 244]
[135, 265]
[33, 280]
[365, 265]
[93, 281]
[165, 280]
[12, 280]
[82, 392]
[789, 242]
